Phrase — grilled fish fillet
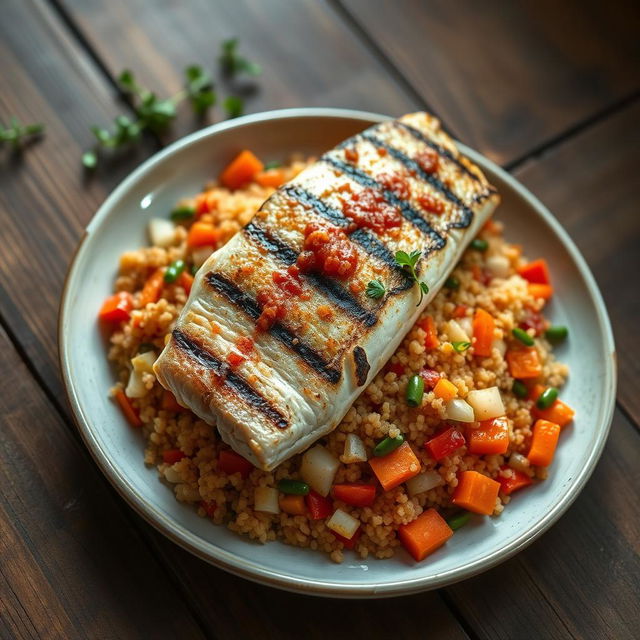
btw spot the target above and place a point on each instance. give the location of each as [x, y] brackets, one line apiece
[274, 358]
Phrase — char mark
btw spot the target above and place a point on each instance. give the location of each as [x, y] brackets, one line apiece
[237, 297]
[275, 246]
[433, 180]
[318, 205]
[407, 210]
[362, 365]
[230, 379]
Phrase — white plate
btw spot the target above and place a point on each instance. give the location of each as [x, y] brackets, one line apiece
[180, 170]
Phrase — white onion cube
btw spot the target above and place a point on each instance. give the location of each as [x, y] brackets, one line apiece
[458, 409]
[162, 232]
[266, 499]
[354, 449]
[318, 469]
[424, 482]
[486, 403]
[343, 523]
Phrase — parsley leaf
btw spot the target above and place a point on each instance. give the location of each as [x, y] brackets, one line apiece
[17, 134]
[234, 106]
[375, 289]
[233, 64]
[199, 88]
[408, 262]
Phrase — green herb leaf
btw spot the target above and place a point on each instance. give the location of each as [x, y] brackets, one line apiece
[234, 106]
[17, 134]
[375, 289]
[90, 159]
[460, 347]
[233, 64]
[127, 82]
[199, 86]
[409, 261]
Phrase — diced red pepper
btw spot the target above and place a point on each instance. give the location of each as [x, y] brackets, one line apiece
[230, 462]
[349, 543]
[116, 308]
[171, 456]
[209, 506]
[536, 272]
[534, 320]
[518, 480]
[445, 443]
[396, 367]
[355, 494]
[319, 506]
[430, 378]
[460, 311]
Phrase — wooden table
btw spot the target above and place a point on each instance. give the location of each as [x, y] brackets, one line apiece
[549, 90]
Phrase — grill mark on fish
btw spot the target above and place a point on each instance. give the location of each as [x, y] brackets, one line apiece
[230, 379]
[430, 178]
[334, 291]
[252, 308]
[362, 365]
[277, 248]
[408, 212]
[318, 205]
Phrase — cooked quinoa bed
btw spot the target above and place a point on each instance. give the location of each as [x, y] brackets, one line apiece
[380, 411]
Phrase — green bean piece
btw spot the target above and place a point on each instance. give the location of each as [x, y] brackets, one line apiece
[520, 389]
[458, 520]
[173, 271]
[182, 213]
[547, 398]
[523, 336]
[556, 333]
[415, 391]
[387, 445]
[293, 487]
[479, 244]
[452, 283]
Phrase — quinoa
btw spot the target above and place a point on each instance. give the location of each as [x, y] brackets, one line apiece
[487, 280]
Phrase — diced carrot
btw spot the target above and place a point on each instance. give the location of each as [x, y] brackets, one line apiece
[491, 437]
[230, 462]
[543, 443]
[429, 327]
[524, 363]
[169, 402]
[355, 494]
[293, 505]
[202, 234]
[536, 271]
[483, 326]
[476, 492]
[152, 288]
[171, 456]
[514, 482]
[559, 412]
[491, 226]
[445, 390]
[425, 534]
[460, 311]
[242, 169]
[271, 178]
[544, 291]
[396, 467]
[185, 280]
[130, 412]
[116, 308]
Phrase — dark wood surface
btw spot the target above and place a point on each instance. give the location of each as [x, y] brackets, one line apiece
[555, 104]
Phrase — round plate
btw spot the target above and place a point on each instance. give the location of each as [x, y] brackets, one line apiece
[181, 170]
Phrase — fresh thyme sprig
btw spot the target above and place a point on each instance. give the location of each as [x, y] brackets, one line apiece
[408, 262]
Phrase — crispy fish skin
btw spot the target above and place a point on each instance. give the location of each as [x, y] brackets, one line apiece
[304, 372]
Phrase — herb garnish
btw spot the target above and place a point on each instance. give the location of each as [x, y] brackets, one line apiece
[375, 289]
[234, 106]
[17, 134]
[461, 346]
[233, 64]
[408, 262]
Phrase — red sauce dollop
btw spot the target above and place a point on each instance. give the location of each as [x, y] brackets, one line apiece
[327, 250]
[273, 303]
[396, 183]
[428, 161]
[431, 204]
[287, 281]
[369, 209]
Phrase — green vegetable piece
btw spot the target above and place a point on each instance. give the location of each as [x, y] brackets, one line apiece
[375, 289]
[523, 336]
[233, 64]
[234, 106]
[452, 283]
[173, 271]
[415, 391]
[461, 347]
[199, 87]
[274, 164]
[520, 389]
[182, 213]
[387, 445]
[458, 520]
[547, 398]
[293, 487]
[556, 333]
[90, 159]
[479, 244]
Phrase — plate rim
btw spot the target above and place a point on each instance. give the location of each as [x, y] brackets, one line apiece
[246, 568]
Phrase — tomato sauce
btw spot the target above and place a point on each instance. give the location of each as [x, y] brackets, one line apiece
[327, 250]
[369, 209]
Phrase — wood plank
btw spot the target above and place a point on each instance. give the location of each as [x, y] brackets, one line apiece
[70, 563]
[508, 76]
[591, 186]
[582, 578]
[309, 57]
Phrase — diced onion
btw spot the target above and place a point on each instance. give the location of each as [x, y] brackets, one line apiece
[200, 255]
[456, 333]
[500, 345]
[466, 324]
[343, 523]
[486, 403]
[498, 265]
[424, 482]
[161, 232]
[458, 409]
[318, 469]
[135, 386]
[143, 363]
[266, 499]
[354, 449]
[519, 462]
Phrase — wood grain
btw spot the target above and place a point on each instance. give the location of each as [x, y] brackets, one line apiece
[508, 76]
[70, 564]
[309, 57]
